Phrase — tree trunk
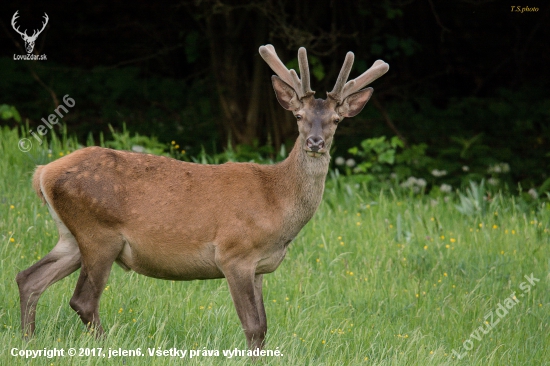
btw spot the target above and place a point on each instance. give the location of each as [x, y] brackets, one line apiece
[250, 113]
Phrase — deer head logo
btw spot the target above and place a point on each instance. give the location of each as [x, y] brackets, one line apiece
[29, 40]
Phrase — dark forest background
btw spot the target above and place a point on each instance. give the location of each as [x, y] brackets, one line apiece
[469, 81]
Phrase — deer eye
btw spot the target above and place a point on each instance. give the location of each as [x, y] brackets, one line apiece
[298, 117]
[336, 120]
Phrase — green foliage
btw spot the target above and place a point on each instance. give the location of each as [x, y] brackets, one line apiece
[392, 12]
[390, 47]
[468, 147]
[242, 153]
[376, 154]
[381, 162]
[468, 139]
[150, 105]
[474, 202]
[135, 142]
[544, 188]
[467, 136]
[8, 112]
[412, 161]
[376, 150]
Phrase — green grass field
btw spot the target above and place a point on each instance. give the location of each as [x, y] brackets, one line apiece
[375, 278]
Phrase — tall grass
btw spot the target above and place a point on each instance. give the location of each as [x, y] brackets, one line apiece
[374, 278]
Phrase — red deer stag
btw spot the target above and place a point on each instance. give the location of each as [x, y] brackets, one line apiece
[175, 220]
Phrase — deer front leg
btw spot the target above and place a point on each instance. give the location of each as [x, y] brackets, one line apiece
[85, 300]
[260, 300]
[246, 290]
[97, 260]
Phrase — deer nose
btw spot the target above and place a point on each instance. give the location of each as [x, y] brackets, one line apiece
[315, 143]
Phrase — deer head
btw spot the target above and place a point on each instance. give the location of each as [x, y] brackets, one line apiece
[29, 40]
[317, 118]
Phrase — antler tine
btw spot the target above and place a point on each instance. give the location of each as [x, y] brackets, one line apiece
[45, 22]
[36, 31]
[13, 19]
[270, 57]
[336, 92]
[288, 76]
[304, 72]
[377, 69]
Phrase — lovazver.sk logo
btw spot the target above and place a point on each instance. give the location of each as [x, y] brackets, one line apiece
[29, 40]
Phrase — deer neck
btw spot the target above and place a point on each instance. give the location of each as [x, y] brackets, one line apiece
[308, 171]
[303, 183]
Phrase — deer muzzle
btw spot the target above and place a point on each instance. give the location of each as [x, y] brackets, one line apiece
[315, 146]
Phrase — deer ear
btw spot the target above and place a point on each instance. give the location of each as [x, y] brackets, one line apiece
[285, 94]
[354, 103]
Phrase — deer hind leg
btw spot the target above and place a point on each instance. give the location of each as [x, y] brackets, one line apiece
[63, 260]
[98, 255]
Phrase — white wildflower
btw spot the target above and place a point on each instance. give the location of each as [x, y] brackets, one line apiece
[533, 193]
[499, 168]
[350, 163]
[414, 183]
[496, 169]
[411, 181]
[493, 181]
[339, 161]
[439, 173]
[445, 188]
